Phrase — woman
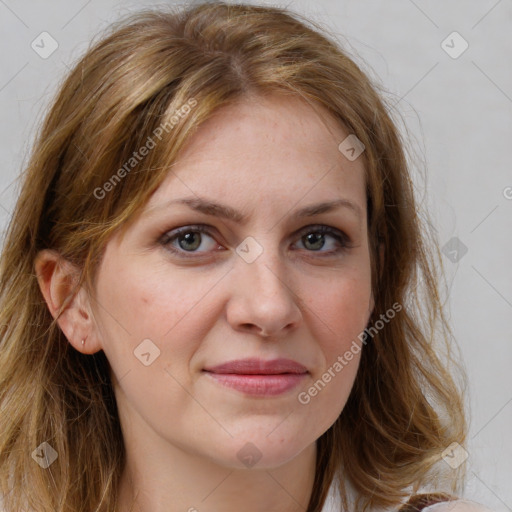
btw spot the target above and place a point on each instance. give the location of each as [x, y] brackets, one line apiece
[216, 290]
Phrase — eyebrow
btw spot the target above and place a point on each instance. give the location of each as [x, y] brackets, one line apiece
[209, 207]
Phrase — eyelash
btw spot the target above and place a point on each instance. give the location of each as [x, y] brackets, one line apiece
[169, 236]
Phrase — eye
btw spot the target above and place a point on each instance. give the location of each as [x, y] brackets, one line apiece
[189, 239]
[313, 237]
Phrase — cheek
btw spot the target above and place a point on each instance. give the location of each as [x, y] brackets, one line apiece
[343, 310]
[139, 303]
[341, 315]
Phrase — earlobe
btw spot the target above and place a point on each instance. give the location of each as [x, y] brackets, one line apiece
[57, 279]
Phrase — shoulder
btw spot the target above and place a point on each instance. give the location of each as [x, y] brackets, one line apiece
[460, 505]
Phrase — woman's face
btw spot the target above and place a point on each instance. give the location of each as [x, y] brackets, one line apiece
[170, 308]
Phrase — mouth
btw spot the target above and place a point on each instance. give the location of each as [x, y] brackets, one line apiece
[258, 377]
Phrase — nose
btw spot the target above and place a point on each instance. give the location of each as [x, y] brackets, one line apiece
[263, 300]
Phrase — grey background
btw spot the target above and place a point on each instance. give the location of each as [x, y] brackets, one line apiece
[458, 115]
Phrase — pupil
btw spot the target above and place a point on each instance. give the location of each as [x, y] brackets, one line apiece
[188, 237]
[314, 238]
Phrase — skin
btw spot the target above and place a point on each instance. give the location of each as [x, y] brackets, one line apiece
[266, 157]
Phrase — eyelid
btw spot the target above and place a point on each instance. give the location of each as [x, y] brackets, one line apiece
[344, 240]
[166, 237]
[326, 229]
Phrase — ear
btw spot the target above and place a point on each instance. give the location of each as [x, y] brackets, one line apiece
[57, 279]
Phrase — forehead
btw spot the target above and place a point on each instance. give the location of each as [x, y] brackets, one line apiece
[275, 146]
[285, 124]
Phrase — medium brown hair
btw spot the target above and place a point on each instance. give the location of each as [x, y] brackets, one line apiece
[405, 407]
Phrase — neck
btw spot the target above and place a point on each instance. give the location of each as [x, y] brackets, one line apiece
[161, 476]
[184, 482]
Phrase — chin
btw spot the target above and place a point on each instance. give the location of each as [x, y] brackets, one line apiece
[261, 448]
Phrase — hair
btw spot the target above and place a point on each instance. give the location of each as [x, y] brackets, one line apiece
[405, 407]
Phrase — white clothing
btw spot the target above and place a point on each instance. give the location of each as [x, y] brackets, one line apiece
[332, 504]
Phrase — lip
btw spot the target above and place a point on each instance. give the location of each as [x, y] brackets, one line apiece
[255, 376]
[255, 366]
